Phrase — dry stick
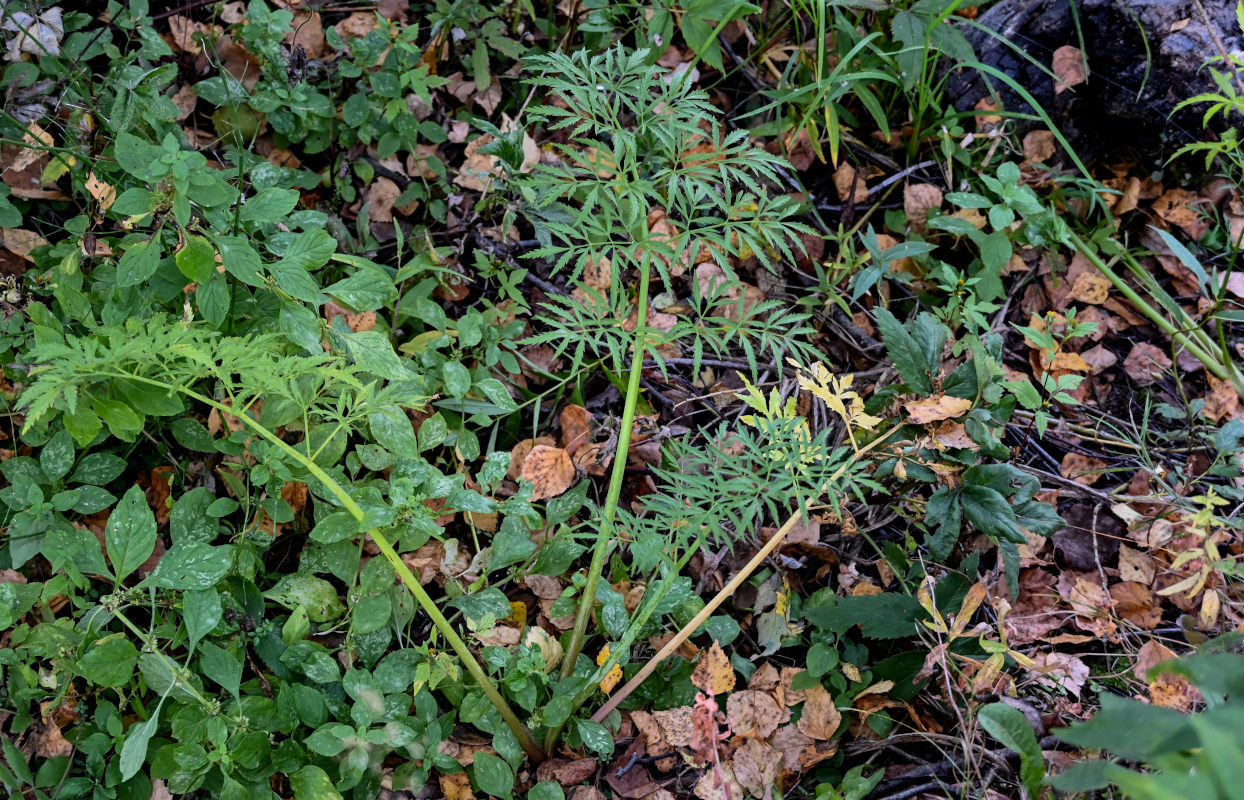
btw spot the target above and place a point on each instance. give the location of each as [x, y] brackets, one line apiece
[729, 589]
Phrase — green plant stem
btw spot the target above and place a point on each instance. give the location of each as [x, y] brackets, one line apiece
[524, 736]
[604, 536]
[1217, 367]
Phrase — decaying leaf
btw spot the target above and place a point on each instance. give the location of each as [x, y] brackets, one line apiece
[714, 674]
[753, 713]
[1068, 68]
[550, 471]
[1146, 363]
[821, 717]
[934, 409]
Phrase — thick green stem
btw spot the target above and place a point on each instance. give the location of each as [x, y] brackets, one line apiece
[528, 742]
[604, 537]
[1216, 366]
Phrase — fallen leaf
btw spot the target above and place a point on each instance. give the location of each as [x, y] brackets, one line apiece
[1084, 470]
[1068, 67]
[1090, 287]
[1136, 566]
[792, 743]
[21, 242]
[1174, 691]
[850, 185]
[380, 197]
[550, 471]
[933, 409]
[675, 725]
[1038, 145]
[710, 787]
[1222, 401]
[753, 713]
[358, 25]
[1036, 612]
[1146, 363]
[756, 766]
[568, 772]
[1060, 670]
[519, 455]
[714, 674]
[1136, 603]
[919, 199]
[1099, 359]
[576, 428]
[820, 718]
[613, 675]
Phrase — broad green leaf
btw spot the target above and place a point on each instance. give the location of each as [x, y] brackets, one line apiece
[492, 775]
[138, 263]
[221, 666]
[309, 251]
[1152, 731]
[56, 457]
[907, 355]
[368, 289]
[595, 736]
[130, 533]
[212, 299]
[1009, 726]
[335, 527]
[110, 662]
[372, 352]
[197, 259]
[134, 750]
[313, 783]
[392, 428]
[240, 259]
[457, 378]
[316, 595]
[991, 513]
[192, 565]
[201, 612]
[269, 205]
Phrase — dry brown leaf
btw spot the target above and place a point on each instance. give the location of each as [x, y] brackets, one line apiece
[709, 787]
[576, 428]
[1036, 612]
[185, 33]
[1091, 603]
[1068, 67]
[357, 25]
[381, 195]
[1174, 691]
[1222, 401]
[1179, 207]
[478, 169]
[850, 184]
[919, 199]
[567, 772]
[520, 452]
[756, 767]
[1146, 363]
[21, 242]
[1090, 287]
[792, 743]
[753, 713]
[550, 471]
[1038, 145]
[820, 718]
[1082, 469]
[1060, 670]
[597, 272]
[37, 139]
[456, 786]
[675, 725]
[1099, 359]
[714, 674]
[934, 409]
[654, 739]
[1149, 656]
[1136, 566]
[952, 434]
[1136, 603]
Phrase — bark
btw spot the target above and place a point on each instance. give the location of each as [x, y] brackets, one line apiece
[1144, 57]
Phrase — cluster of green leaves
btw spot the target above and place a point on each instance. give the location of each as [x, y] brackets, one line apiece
[997, 498]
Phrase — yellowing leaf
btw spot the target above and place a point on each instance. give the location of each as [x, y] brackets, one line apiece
[713, 673]
[613, 675]
[933, 409]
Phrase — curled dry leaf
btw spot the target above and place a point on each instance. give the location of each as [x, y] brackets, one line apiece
[613, 676]
[550, 471]
[934, 409]
[1136, 603]
[1060, 670]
